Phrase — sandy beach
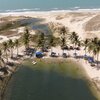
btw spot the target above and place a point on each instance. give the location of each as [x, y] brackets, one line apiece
[84, 23]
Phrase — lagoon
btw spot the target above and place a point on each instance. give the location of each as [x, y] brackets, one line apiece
[49, 80]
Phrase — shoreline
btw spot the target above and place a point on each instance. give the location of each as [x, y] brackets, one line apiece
[6, 82]
[8, 78]
[93, 85]
[21, 12]
[72, 9]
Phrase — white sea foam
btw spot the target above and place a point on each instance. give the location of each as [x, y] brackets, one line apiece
[76, 7]
[37, 10]
[55, 8]
[21, 10]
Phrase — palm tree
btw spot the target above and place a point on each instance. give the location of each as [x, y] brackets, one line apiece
[63, 40]
[17, 45]
[72, 36]
[75, 40]
[63, 30]
[41, 39]
[11, 46]
[94, 47]
[26, 37]
[63, 33]
[52, 42]
[0, 57]
[0, 54]
[86, 43]
[5, 47]
[98, 50]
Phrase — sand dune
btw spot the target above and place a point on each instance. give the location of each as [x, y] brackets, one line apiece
[86, 24]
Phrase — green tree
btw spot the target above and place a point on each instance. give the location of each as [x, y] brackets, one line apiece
[2, 63]
[74, 38]
[86, 43]
[52, 42]
[5, 47]
[11, 46]
[41, 39]
[63, 32]
[0, 54]
[17, 45]
[94, 47]
[98, 50]
[0, 57]
[26, 38]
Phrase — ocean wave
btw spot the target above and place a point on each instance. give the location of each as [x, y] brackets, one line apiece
[92, 9]
[55, 8]
[34, 10]
[76, 7]
[20, 10]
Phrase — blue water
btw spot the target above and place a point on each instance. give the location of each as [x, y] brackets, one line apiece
[45, 5]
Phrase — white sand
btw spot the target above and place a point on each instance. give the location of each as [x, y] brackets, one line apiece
[74, 21]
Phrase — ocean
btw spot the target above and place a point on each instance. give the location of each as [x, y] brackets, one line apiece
[47, 5]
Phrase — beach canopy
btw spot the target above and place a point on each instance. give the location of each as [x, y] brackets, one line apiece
[39, 54]
[90, 59]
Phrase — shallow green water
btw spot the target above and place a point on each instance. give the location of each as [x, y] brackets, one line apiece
[53, 80]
